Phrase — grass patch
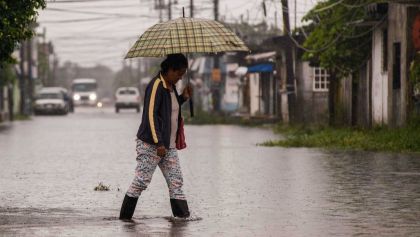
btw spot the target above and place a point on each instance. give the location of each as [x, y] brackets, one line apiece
[20, 117]
[205, 118]
[406, 139]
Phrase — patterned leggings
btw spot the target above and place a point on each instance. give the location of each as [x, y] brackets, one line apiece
[147, 160]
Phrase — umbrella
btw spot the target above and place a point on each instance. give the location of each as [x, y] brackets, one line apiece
[186, 35]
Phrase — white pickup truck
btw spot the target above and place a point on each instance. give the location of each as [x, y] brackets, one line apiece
[127, 98]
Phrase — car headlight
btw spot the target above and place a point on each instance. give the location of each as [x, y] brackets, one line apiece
[76, 97]
[92, 97]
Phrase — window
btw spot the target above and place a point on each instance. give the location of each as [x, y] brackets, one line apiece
[385, 50]
[321, 79]
[50, 96]
[84, 87]
[396, 77]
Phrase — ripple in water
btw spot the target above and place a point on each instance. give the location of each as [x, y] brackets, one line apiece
[180, 219]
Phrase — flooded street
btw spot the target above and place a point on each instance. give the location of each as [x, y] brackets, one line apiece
[50, 165]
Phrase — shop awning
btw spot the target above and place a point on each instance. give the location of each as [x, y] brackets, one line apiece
[265, 67]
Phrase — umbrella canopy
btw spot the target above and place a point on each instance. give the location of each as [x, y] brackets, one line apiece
[186, 35]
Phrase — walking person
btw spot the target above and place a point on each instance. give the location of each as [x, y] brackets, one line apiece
[156, 137]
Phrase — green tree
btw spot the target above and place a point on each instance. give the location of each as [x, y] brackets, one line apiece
[16, 21]
[7, 74]
[340, 40]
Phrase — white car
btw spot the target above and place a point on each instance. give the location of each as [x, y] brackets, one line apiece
[127, 98]
[51, 100]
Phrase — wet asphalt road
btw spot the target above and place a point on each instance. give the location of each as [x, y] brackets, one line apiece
[50, 165]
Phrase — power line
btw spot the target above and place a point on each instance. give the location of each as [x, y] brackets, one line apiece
[329, 6]
[74, 20]
[119, 6]
[94, 13]
[326, 46]
[83, 1]
[355, 6]
[368, 31]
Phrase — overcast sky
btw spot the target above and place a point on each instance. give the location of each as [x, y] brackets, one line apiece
[92, 32]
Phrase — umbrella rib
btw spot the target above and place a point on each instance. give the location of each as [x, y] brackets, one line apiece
[170, 39]
[195, 41]
[203, 39]
[179, 39]
[186, 34]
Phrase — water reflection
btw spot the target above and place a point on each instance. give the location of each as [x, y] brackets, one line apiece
[375, 192]
[238, 189]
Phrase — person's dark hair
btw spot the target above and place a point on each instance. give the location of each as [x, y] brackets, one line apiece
[174, 61]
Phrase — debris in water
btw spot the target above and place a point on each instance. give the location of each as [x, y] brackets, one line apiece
[101, 187]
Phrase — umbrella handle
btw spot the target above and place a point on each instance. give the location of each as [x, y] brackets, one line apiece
[191, 108]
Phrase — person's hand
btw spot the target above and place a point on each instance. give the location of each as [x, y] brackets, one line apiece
[187, 93]
[161, 151]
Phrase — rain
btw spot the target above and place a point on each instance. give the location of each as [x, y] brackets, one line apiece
[274, 119]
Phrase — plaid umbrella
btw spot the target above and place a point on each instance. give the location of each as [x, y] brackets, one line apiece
[186, 35]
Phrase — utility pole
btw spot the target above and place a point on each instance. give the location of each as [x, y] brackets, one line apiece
[295, 15]
[275, 21]
[191, 8]
[22, 84]
[46, 54]
[30, 76]
[1, 87]
[217, 78]
[290, 77]
[159, 6]
[216, 10]
[169, 9]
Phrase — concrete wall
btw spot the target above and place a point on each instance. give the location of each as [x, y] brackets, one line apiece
[379, 80]
[254, 93]
[4, 107]
[397, 33]
[344, 103]
[312, 106]
[363, 97]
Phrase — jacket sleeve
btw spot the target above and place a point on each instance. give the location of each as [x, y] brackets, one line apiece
[153, 113]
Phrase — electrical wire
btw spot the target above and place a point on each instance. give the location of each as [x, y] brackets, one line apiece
[326, 46]
[73, 20]
[82, 1]
[368, 31]
[329, 6]
[93, 13]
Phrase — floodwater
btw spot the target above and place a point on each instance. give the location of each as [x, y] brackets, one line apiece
[49, 167]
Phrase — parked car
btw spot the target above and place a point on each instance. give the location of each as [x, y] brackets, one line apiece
[51, 100]
[127, 98]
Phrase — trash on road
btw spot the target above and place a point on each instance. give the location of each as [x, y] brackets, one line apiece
[101, 187]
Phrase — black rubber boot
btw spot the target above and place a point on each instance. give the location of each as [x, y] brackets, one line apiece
[180, 208]
[128, 207]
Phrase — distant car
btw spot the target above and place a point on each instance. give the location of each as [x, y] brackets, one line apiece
[51, 100]
[85, 92]
[127, 98]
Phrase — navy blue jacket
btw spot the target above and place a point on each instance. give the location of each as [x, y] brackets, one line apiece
[155, 127]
